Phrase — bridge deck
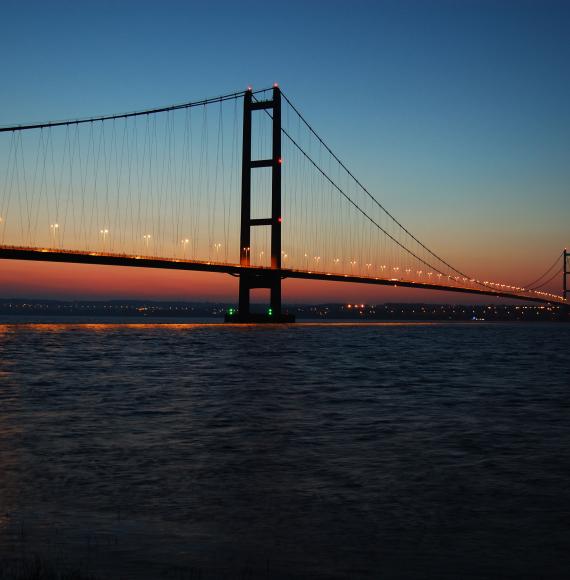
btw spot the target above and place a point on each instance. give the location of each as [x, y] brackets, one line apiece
[110, 259]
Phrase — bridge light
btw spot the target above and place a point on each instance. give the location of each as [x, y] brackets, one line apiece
[270, 312]
[279, 219]
[275, 85]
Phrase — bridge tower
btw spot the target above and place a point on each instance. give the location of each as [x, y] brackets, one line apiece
[271, 277]
[565, 257]
[565, 308]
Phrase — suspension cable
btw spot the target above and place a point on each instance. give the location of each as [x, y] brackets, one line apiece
[368, 193]
[531, 284]
[548, 281]
[78, 121]
[351, 201]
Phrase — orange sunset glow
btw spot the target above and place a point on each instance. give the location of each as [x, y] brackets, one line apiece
[78, 281]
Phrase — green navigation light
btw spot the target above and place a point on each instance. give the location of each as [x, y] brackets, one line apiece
[270, 311]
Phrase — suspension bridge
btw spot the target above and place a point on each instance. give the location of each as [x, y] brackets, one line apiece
[239, 184]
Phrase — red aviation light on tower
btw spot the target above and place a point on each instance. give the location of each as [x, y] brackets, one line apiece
[249, 88]
[275, 85]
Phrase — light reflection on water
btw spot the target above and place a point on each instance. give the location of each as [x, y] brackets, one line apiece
[317, 450]
[186, 325]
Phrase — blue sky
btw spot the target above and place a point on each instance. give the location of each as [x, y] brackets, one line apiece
[455, 114]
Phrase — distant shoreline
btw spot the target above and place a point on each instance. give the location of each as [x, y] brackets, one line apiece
[147, 310]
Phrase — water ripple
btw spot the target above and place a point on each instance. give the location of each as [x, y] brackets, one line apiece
[320, 451]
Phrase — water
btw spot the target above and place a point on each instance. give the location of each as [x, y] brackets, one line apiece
[310, 451]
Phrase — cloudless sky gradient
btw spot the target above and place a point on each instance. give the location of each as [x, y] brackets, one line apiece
[455, 114]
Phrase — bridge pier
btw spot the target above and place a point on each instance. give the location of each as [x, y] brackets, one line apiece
[250, 281]
[271, 277]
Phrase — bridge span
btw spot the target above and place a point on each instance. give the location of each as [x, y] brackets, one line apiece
[112, 259]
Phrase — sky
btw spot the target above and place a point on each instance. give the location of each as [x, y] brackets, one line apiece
[453, 113]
